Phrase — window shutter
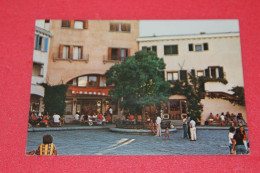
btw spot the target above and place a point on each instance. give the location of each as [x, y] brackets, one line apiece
[37, 42]
[61, 51]
[46, 43]
[205, 46]
[207, 72]
[221, 73]
[193, 72]
[183, 75]
[72, 24]
[109, 53]
[190, 47]
[119, 54]
[81, 57]
[71, 52]
[154, 48]
[86, 24]
[128, 52]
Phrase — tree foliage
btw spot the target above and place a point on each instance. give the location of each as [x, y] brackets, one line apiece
[54, 98]
[139, 80]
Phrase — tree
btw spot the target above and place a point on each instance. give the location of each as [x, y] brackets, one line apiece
[54, 98]
[139, 80]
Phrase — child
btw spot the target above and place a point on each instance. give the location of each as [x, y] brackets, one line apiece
[151, 125]
[47, 147]
[167, 133]
[230, 138]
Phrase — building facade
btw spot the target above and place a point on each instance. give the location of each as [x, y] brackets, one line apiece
[40, 64]
[216, 56]
[80, 54]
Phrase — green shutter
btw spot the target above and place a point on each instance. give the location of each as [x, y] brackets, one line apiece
[183, 75]
[221, 73]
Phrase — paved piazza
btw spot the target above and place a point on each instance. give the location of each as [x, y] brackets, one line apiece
[104, 142]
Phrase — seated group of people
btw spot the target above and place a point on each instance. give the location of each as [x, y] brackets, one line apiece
[90, 119]
[43, 119]
[132, 119]
[225, 119]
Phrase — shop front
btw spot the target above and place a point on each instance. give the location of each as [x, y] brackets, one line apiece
[175, 107]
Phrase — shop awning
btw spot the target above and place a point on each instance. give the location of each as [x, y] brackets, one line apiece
[89, 91]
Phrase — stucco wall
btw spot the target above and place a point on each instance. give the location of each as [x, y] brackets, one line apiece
[224, 50]
[95, 41]
[217, 106]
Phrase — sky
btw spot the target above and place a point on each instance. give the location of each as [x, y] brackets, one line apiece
[182, 27]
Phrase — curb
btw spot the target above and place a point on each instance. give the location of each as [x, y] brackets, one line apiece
[65, 128]
[113, 129]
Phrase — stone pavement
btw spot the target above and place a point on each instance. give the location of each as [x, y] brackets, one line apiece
[105, 142]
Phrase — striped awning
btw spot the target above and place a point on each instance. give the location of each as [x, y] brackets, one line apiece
[89, 91]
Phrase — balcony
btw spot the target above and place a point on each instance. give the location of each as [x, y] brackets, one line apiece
[83, 59]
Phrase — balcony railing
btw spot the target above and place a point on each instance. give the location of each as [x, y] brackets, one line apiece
[113, 59]
[84, 59]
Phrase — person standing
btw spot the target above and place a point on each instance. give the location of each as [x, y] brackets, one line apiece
[56, 119]
[158, 126]
[193, 130]
[222, 118]
[238, 143]
[185, 127]
[110, 110]
[188, 123]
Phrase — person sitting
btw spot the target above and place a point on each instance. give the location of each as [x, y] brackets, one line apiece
[89, 120]
[76, 117]
[132, 119]
[34, 120]
[47, 147]
[123, 119]
[211, 119]
[139, 119]
[222, 118]
[82, 118]
[217, 118]
[151, 126]
[108, 117]
[148, 119]
[45, 121]
[99, 119]
[240, 119]
[234, 119]
[94, 116]
[227, 118]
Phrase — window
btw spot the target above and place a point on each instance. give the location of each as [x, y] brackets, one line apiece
[69, 106]
[120, 27]
[41, 43]
[200, 73]
[77, 52]
[171, 50]
[172, 76]
[82, 81]
[198, 47]
[215, 72]
[65, 24]
[147, 49]
[78, 24]
[47, 21]
[75, 24]
[71, 52]
[37, 69]
[66, 52]
[125, 27]
[118, 53]
[92, 81]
